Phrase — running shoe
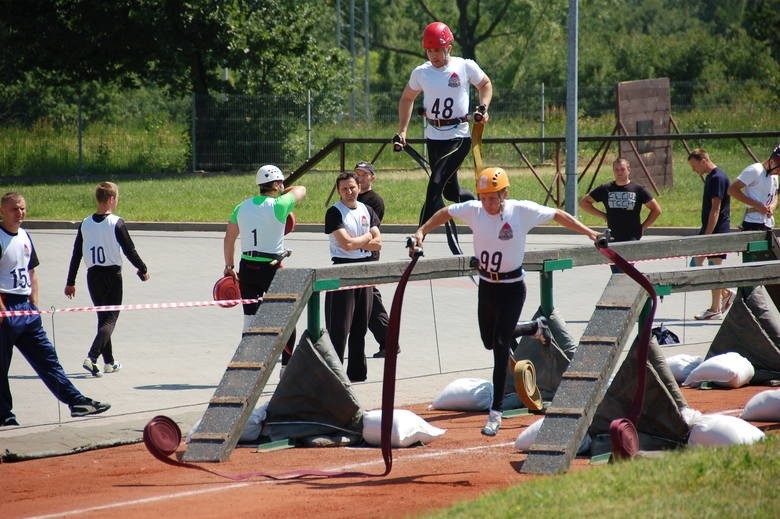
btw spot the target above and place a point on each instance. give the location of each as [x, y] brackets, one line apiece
[708, 315]
[493, 423]
[112, 368]
[91, 367]
[88, 407]
[728, 300]
[8, 421]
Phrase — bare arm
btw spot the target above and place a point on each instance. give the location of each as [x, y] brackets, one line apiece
[586, 204]
[565, 219]
[376, 240]
[229, 249]
[485, 89]
[405, 106]
[736, 191]
[33, 286]
[712, 218]
[655, 212]
[350, 243]
[299, 192]
[439, 218]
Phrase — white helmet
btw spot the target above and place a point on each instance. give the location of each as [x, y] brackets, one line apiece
[269, 173]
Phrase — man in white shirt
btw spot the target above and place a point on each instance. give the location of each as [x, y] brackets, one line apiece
[444, 82]
[756, 187]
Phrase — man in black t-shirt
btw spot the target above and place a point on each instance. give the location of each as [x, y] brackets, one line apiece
[623, 201]
[378, 320]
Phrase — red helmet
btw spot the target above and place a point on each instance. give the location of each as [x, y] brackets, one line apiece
[436, 36]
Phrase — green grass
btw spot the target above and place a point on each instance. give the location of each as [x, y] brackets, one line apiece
[738, 481]
[211, 197]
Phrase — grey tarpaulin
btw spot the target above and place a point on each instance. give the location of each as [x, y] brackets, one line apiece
[752, 329]
[314, 396]
[661, 424]
[550, 360]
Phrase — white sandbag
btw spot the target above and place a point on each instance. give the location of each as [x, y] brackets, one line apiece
[681, 365]
[408, 428]
[763, 407]
[526, 438]
[252, 429]
[254, 425]
[465, 394]
[715, 430]
[690, 415]
[729, 370]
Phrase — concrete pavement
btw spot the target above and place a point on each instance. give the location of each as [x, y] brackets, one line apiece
[173, 359]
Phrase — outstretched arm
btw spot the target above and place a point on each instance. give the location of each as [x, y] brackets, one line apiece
[438, 219]
[565, 219]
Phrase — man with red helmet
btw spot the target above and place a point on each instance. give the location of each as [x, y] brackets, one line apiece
[444, 81]
[500, 226]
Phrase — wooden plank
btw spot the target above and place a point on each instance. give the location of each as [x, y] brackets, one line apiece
[574, 404]
[268, 330]
[227, 414]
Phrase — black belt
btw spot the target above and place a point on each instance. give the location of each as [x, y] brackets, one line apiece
[496, 276]
[447, 122]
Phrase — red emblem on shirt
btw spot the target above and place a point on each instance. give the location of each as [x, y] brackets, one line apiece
[506, 232]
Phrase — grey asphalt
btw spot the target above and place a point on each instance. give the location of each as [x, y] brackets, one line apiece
[174, 358]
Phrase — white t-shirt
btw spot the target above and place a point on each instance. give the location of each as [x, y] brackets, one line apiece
[446, 94]
[499, 240]
[759, 186]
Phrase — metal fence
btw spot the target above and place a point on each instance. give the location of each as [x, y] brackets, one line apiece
[239, 132]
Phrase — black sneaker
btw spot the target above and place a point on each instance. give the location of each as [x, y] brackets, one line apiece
[8, 421]
[88, 407]
[380, 354]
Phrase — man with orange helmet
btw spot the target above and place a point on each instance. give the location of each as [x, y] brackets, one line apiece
[444, 81]
[500, 226]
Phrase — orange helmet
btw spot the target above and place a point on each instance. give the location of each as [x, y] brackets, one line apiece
[436, 36]
[492, 180]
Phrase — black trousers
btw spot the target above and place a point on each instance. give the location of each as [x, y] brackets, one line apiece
[498, 310]
[378, 319]
[105, 288]
[346, 318]
[254, 278]
[445, 158]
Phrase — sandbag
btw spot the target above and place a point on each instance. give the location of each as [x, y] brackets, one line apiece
[465, 394]
[728, 370]
[408, 429]
[682, 364]
[715, 430]
[763, 407]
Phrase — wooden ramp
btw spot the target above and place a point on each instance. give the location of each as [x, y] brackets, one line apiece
[585, 381]
[248, 371]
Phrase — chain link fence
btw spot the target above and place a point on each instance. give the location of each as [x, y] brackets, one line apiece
[240, 132]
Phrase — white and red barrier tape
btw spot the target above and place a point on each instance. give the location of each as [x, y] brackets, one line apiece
[143, 306]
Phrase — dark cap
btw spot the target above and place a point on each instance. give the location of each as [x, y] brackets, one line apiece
[776, 152]
[365, 166]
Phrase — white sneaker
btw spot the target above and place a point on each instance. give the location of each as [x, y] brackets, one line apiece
[112, 368]
[728, 300]
[708, 315]
[493, 423]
